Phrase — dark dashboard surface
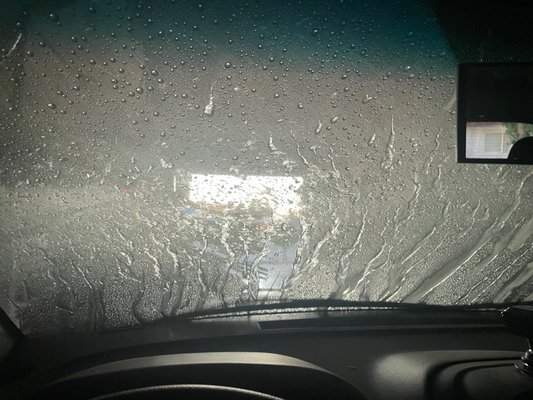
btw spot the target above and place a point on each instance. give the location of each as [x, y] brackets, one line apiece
[382, 354]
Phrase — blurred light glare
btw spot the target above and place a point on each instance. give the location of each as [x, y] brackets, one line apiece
[280, 193]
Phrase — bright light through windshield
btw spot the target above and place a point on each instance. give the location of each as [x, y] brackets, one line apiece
[279, 193]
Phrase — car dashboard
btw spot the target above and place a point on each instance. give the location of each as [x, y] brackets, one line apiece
[367, 354]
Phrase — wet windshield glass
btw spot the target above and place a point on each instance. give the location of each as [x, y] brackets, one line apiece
[161, 157]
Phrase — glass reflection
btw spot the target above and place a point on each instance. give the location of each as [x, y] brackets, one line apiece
[494, 139]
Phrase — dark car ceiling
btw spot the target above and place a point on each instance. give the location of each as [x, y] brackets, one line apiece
[487, 30]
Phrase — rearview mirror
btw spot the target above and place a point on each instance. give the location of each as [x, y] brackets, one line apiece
[495, 113]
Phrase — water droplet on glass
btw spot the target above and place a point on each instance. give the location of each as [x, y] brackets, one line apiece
[367, 99]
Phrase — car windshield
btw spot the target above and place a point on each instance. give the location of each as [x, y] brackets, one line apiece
[164, 157]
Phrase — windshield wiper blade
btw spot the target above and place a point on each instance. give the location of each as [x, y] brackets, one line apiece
[324, 305]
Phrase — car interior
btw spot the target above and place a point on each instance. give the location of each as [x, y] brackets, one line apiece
[403, 354]
[266, 200]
